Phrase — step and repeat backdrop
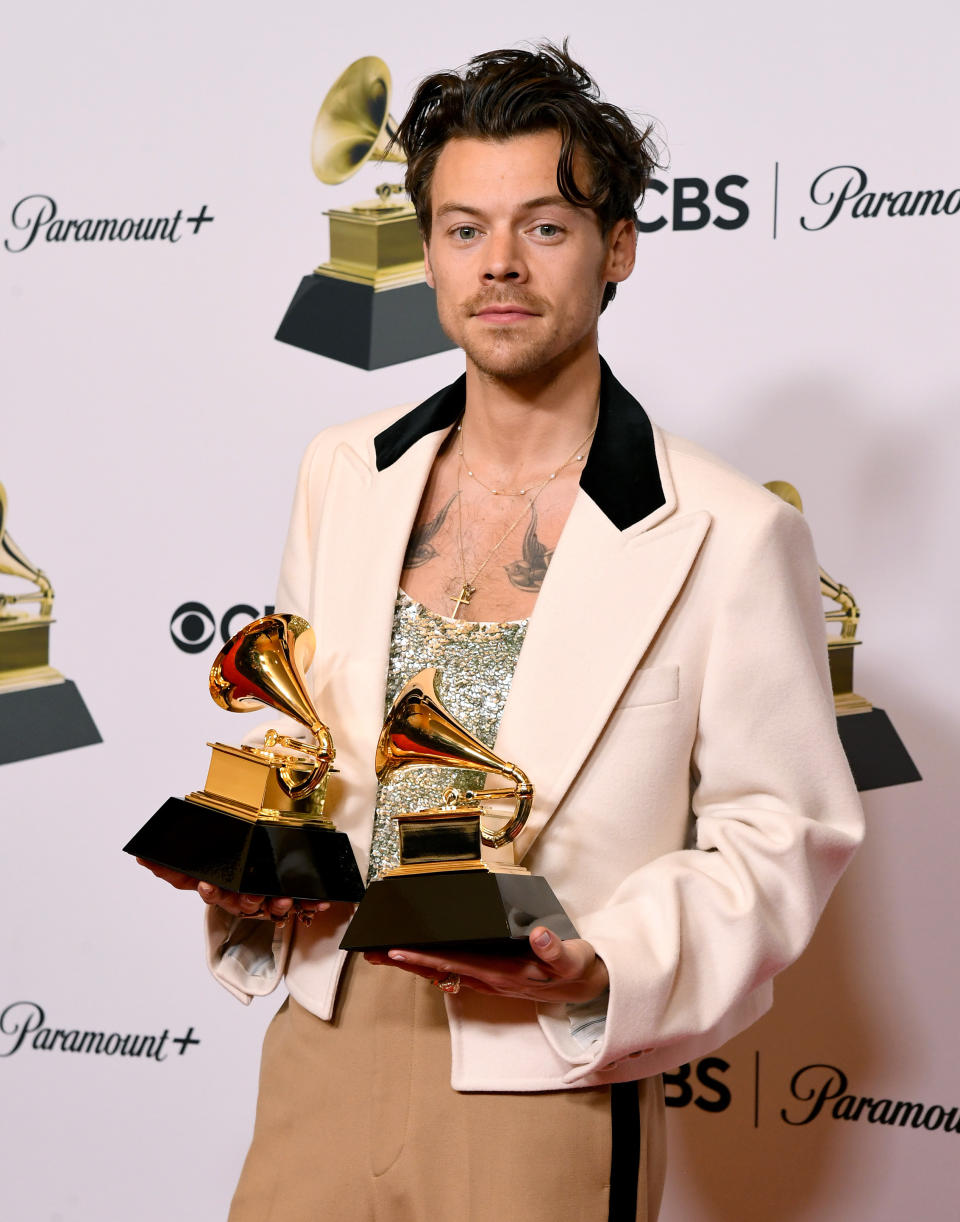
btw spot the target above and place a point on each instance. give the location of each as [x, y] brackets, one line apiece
[794, 308]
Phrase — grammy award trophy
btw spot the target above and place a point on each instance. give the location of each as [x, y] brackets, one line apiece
[258, 824]
[40, 711]
[443, 893]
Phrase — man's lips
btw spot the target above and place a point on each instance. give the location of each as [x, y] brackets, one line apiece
[504, 313]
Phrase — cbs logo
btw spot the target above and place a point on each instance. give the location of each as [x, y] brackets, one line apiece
[193, 625]
[707, 1092]
[691, 207]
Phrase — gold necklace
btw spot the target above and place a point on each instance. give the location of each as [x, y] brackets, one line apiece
[577, 456]
[469, 588]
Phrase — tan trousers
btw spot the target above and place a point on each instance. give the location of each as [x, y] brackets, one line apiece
[357, 1122]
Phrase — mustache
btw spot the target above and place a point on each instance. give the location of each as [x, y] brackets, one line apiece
[525, 301]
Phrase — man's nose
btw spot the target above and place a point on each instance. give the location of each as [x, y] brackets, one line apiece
[504, 258]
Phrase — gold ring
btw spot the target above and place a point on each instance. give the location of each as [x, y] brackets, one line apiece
[448, 984]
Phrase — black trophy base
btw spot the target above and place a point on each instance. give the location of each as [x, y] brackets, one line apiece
[42, 720]
[352, 323]
[875, 752]
[474, 910]
[306, 862]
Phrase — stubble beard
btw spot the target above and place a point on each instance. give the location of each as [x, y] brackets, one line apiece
[503, 353]
[505, 357]
[507, 353]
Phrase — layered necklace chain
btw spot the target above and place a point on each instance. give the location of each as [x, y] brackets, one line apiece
[577, 456]
[468, 587]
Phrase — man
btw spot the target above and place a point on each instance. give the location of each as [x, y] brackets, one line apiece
[658, 668]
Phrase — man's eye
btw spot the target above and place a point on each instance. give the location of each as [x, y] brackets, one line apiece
[548, 230]
[465, 232]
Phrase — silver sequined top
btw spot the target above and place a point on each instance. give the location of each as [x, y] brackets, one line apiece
[475, 664]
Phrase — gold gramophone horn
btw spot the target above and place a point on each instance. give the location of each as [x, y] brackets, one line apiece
[354, 123]
[264, 664]
[14, 562]
[420, 732]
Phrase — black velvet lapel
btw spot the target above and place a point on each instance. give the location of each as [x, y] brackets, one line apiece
[438, 412]
[621, 475]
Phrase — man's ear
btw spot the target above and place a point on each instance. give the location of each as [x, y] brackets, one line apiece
[426, 266]
[621, 251]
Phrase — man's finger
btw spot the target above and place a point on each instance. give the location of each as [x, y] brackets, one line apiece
[380, 959]
[183, 882]
[562, 959]
[250, 904]
[239, 905]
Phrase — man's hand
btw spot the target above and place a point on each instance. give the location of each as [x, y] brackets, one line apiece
[557, 971]
[237, 903]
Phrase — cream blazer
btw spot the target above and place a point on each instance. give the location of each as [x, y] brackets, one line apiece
[671, 704]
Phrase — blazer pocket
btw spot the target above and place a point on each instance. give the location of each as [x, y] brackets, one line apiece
[651, 685]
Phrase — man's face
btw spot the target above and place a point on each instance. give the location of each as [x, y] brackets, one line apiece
[519, 272]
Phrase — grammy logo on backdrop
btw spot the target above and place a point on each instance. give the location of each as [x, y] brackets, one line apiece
[875, 752]
[40, 711]
[369, 306]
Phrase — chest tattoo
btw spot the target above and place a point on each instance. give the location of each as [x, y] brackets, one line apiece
[420, 549]
[528, 574]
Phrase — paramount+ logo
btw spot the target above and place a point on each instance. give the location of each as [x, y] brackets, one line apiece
[37, 218]
[24, 1028]
[194, 627]
[843, 191]
[823, 1090]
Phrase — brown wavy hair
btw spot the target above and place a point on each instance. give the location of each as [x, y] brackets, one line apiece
[513, 92]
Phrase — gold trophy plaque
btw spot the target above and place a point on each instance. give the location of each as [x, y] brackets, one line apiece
[875, 752]
[369, 305]
[258, 825]
[40, 711]
[442, 892]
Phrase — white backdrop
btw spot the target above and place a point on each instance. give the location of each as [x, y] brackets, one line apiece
[151, 429]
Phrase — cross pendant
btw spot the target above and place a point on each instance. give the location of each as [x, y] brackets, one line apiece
[467, 592]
